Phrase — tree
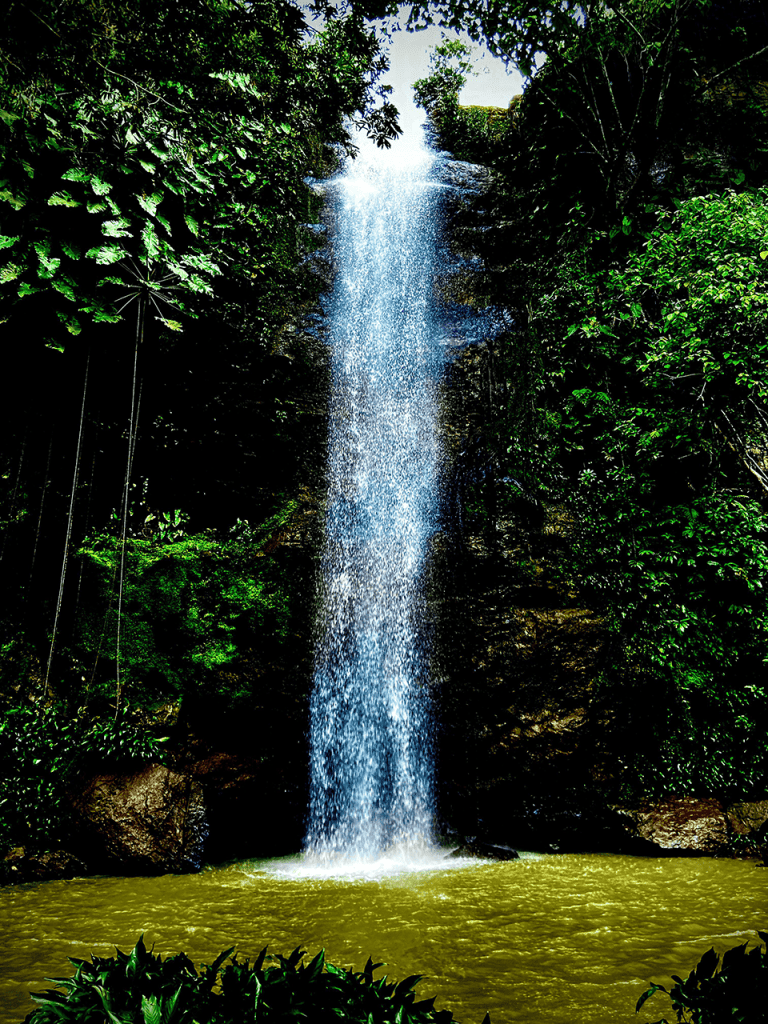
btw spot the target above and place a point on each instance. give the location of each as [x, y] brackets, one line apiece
[449, 68]
[612, 81]
[140, 144]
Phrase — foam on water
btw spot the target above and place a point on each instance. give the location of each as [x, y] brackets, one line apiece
[394, 862]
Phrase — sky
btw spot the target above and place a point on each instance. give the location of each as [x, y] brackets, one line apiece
[494, 85]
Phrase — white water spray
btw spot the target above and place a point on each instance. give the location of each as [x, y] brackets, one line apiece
[371, 731]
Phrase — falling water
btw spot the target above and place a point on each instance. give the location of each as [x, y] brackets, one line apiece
[371, 730]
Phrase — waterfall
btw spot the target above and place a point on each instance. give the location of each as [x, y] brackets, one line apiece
[371, 723]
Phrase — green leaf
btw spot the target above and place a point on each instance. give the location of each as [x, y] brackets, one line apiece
[116, 228]
[150, 203]
[73, 251]
[161, 154]
[6, 241]
[315, 966]
[407, 984]
[63, 199]
[76, 174]
[150, 239]
[213, 970]
[48, 264]
[151, 1010]
[173, 325]
[707, 964]
[16, 201]
[192, 224]
[64, 285]
[25, 288]
[9, 272]
[647, 995]
[104, 316]
[106, 254]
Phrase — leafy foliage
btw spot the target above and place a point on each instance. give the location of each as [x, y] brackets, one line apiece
[449, 68]
[663, 426]
[191, 605]
[41, 751]
[141, 988]
[157, 152]
[734, 990]
[203, 618]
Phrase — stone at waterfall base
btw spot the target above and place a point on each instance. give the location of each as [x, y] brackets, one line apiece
[471, 847]
[23, 865]
[147, 822]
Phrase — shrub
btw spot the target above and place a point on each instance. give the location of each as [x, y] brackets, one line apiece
[191, 604]
[737, 992]
[141, 988]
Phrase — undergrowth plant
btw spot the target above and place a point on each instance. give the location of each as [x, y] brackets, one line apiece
[142, 988]
[41, 752]
[735, 990]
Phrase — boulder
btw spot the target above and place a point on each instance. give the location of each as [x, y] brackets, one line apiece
[146, 822]
[748, 821]
[679, 825]
[747, 817]
[21, 865]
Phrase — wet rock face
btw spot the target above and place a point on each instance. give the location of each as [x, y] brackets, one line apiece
[522, 734]
[148, 822]
[530, 744]
[517, 654]
[254, 809]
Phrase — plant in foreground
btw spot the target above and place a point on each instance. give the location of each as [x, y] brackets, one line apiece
[141, 988]
[737, 992]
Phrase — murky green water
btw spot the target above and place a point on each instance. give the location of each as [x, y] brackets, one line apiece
[567, 939]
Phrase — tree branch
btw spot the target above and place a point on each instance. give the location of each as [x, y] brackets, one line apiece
[746, 459]
[726, 71]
